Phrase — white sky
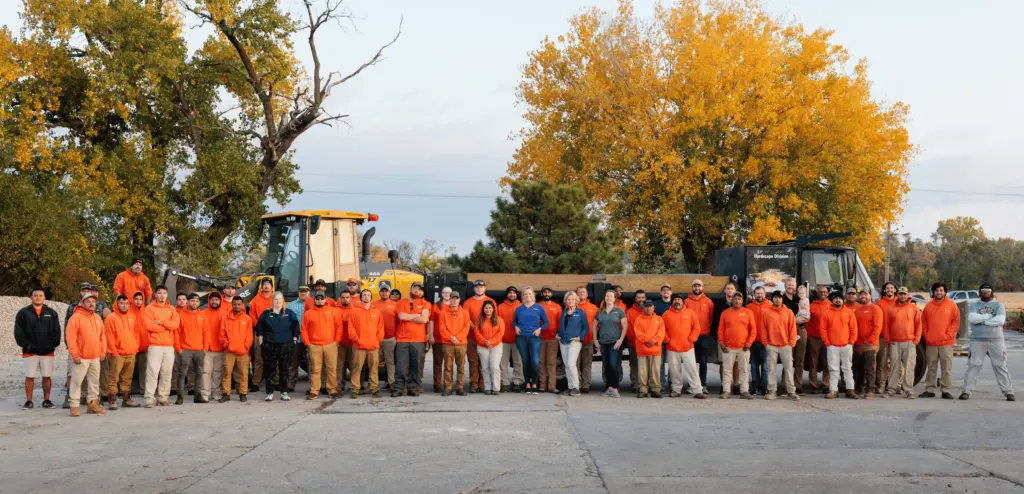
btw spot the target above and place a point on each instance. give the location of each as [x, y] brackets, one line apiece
[436, 116]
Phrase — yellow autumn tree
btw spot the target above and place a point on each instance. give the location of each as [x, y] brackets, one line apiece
[711, 125]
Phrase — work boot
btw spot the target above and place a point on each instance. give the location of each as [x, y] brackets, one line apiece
[355, 394]
[446, 392]
[413, 393]
[226, 398]
[770, 396]
[375, 394]
[241, 398]
[700, 396]
[396, 393]
[655, 394]
[831, 395]
[74, 411]
[747, 396]
[641, 394]
[504, 388]
[910, 395]
[112, 403]
[851, 394]
[794, 397]
[946, 395]
[95, 408]
[870, 395]
[180, 400]
[419, 390]
[460, 393]
[926, 394]
[163, 403]
[1010, 397]
[674, 395]
[726, 396]
[813, 390]
[126, 401]
[311, 397]
[200, 399]
[67, 403]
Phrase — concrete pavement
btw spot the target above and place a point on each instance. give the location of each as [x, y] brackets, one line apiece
[518, 443]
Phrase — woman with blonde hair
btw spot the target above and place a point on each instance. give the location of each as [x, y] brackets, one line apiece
[277, 333]
[571, 333]
[529, 319]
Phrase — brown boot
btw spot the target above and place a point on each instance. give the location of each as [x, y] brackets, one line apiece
[830, 396]
[74, 412]
[851, 394]
[126, 401]
[94, 407]
[869, 395]
[112, 402]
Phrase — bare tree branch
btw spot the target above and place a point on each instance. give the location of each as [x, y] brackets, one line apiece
[373, 61]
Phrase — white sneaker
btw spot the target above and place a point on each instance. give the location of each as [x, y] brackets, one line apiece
[284, 397]
[270, 397]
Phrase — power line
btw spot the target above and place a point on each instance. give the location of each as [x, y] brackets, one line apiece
[399, 194]
[399, 179]
[948, 191]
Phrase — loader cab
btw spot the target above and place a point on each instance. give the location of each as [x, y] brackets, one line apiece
[834, 266]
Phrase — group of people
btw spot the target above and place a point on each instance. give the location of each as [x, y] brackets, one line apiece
[511, 346]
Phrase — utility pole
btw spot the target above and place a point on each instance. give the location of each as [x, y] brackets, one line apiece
[888, 234]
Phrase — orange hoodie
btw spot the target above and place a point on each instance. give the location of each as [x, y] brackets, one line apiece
[649, 328]
[343, 314]
[736, 328]
[939, 322]
[838, 327]
[128, 284]
[388, 309]
[758, 309]
[778, 327]
[122, 340]
[682, 327]
[454, 323]
[869, 324]
[903, 323]
[85, 336]
[589, 309]
[141, 334]
[193, 332]
[161, 321]
[705, 310]
[488, 332]
[409, 331]
[236, 333]
[259, 304]
[554, 320]
[884, 304]
[365, 327]
[818, 308]
[214, 320]
[631, 316]
[506, 311]
[322, 325]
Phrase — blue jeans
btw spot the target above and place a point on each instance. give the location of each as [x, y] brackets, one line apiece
[529, 350]
[611, 358]
[758, 367]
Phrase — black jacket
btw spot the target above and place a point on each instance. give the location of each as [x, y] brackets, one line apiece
[278, 328]
[37, 334]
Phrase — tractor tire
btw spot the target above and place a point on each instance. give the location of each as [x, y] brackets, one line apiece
[920, 366]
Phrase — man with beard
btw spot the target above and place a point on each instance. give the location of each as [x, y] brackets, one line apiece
[321, 330]
[191, 347]
[86, 343]
[473, 306]
[213, 357]
[869, 327]
[778, 332]
[509, 350]
[236, 337]
[549, 342]
[142, 335]
[637, 310]
[298, 306]
[133, 280]
[940, 321]
[882, 357]
[987, 317]
[736, 331]
[758, 352]
[721, 307]
[903, 331]
[701, 305]
[387, 308]
[411, 337]
[344, 306]
[101, 309]
[162, 321]
[366, 330]
[435, 340]
[585, 363]
[839, 333]
[682, 329]
[792, 302]
[816, 346]
[122, 345]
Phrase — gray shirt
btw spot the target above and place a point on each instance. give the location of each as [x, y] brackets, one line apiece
[609, 325]
[986, 319]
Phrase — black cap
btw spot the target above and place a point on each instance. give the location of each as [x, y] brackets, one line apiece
[834, 295]
[94, 287]
[479, 283]
[320, 282]
[416, 283]
[135, 260]
[678, 296]
[264, 281]
[396, 292]
[303, 288]
[84, 286]
[545, 287]
[649, 303]
[776, 293]
[215, 295]
[986, 286]
[456, 295]
[512, 289]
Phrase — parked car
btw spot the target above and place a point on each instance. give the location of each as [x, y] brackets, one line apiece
[969, 296]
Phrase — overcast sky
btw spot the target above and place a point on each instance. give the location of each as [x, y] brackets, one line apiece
[435, 117]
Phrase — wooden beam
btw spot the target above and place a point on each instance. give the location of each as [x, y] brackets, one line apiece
[681, 283]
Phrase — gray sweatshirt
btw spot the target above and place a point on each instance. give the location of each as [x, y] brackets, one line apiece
[986, 319]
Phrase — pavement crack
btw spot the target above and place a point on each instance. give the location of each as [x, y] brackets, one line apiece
[986, 471]
[592, 468]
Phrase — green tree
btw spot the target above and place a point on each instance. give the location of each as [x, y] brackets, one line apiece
[544, 228]
[959, 243]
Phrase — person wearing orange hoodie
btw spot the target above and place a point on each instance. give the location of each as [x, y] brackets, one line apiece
[758, 352]
[213, 356]
[473, 306]
[388, 308]
[161, 321]
[701, 305]
[902, 329]
[585, 363]
[87, 344]
[488, 332]
[236, 338]
[736, 332]
[321, 331]
[940, 322]
[122, 345]
[345, 303]
[548, 342]
[649, 333]
[434, 338]
[365, 330]
[511, 381]
[142, 337]
[191, 347]
[454, 321]
[838, 327]
[815, 345]
[869, 329]
[260, 303]
[637, 310]
[779, 334]
[133, 280]
[888, 299]
[682, 330]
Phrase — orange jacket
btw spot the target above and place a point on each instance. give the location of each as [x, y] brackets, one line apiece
[778, 327]
[838, 327]
[705, 310]
[758, 310]
[884, 304]
[903, 323]
[591, 311]
[85, 336]
[162, 322]
[122, 340]
[506, 311]
[141, 334]
[387, 309]
[310, 303]
[649, 329]
[939, 322]
[408, 331]
[454, 323]
[322, 325]
[489, 333]
[193, 332]
[343, 311]
[736, 328]
[259, 304]
[554, 320]
[236, 333]
[128, 284]
[813, 326]
[435, 314]
[474, 307]
[869, 324]
[682, 327]
[214, 319]
[631, 316]
[365, 327]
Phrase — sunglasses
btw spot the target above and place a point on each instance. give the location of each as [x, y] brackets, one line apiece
[352, 284]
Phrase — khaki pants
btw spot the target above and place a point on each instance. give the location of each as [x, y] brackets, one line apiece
[437, 352]
[234, 361]
[103, 375]
[371, 359]
[510, 353]
[881, 365]
[786, 354]
[320, 357]
[344, 366]
[933, 357]
[815, 347]
[680, 363]
[585, 365]
[548, 365]
[86, 373]
[490, 361]
[454, 355]
[213, 372]
[903, 356]
[159, 367]
[387, 355]
[476, 378]
[119, 374]
[741, 358]
[840, 361]
[650, 370]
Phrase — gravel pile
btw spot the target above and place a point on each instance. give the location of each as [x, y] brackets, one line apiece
[9, 307]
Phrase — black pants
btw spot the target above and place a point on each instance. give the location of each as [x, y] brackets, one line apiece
[277, 359]
[298, 355]
[701, 352]
[864, 371]
[407, 366]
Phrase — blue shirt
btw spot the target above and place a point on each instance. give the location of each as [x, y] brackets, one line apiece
[661, 306]
[574, 325]
[529, 319]
[299, 308]
[278, 328]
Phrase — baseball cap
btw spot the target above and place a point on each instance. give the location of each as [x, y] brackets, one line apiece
[303, 288]
[264, 281]
[320, 293]
[320, 282]
[834, 295]
[87, 295]
[511, 289]
[416, 283]
[384, 288]
[679, 296]
[456, 295]
[396, 292]
[545, 287]
[902, 289]
[697, 282]
[94, 287]
[84, 286]
[649, 303]
[985, 286]
[777, 293]
[352, 280]
[666, 285]
[479, 283]
[851, 290]
[217, 295]
[135, 260]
